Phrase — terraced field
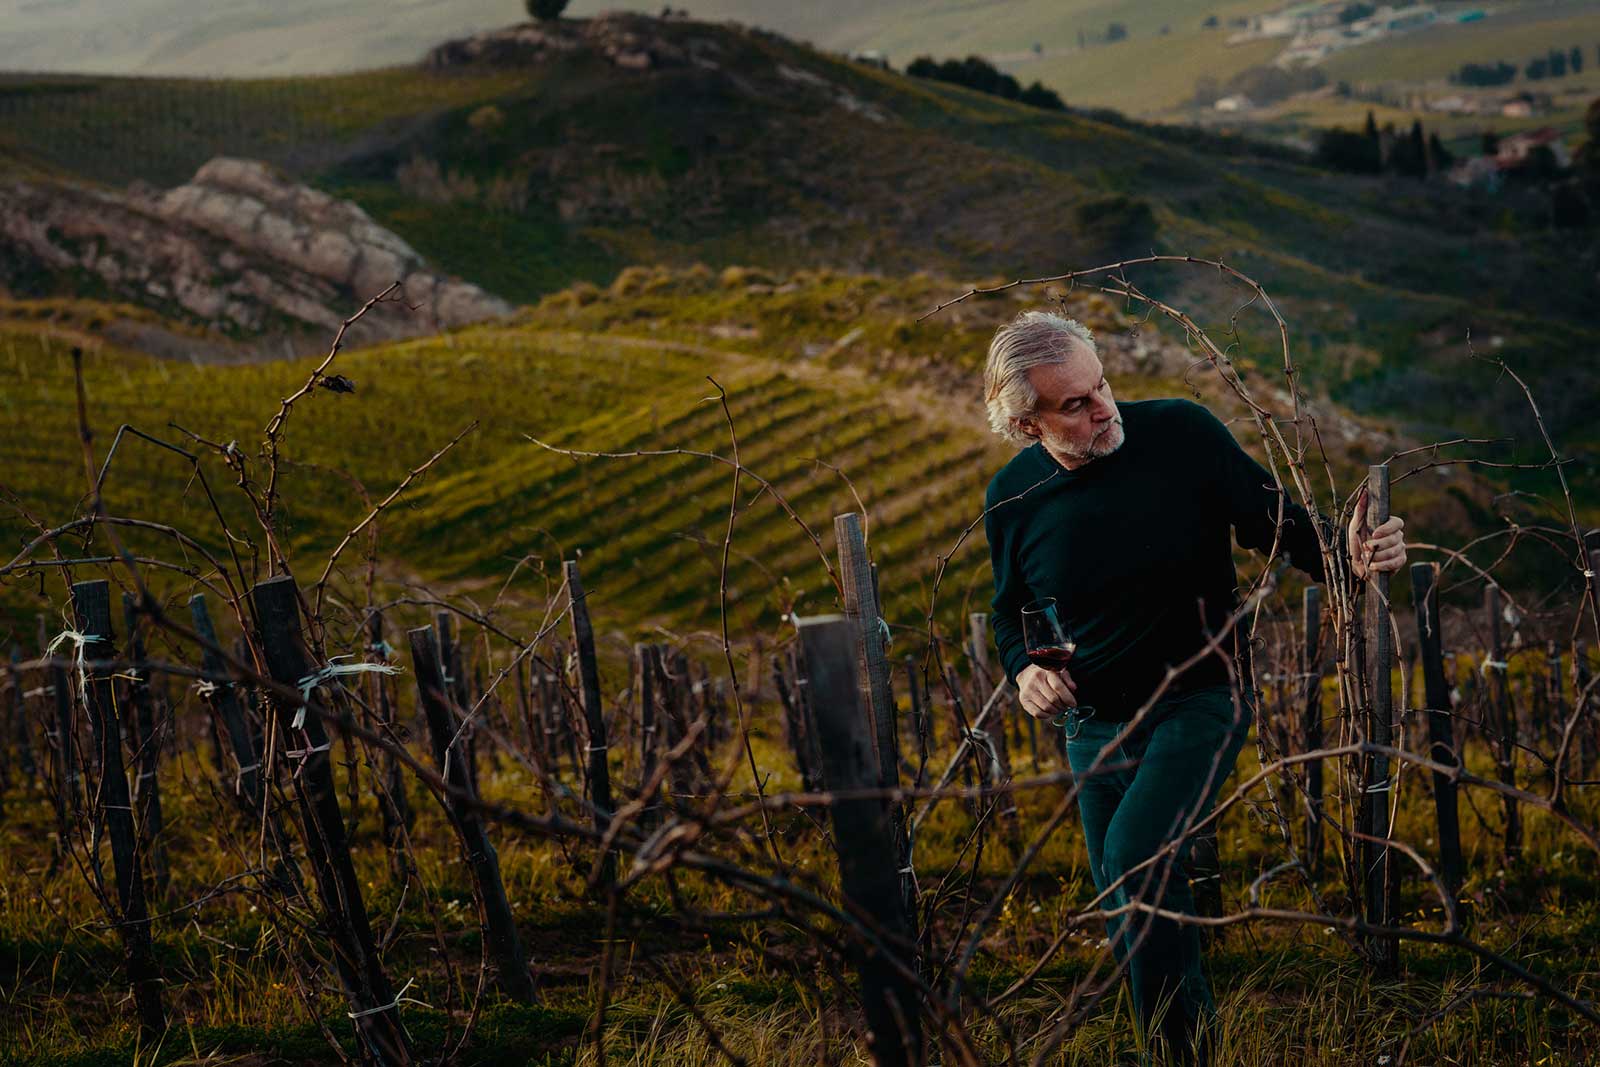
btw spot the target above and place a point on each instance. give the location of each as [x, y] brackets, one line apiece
[648, 529]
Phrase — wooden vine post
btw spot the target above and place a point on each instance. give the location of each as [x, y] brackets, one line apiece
[1441, 730]
[599, 783]
[1502, 721]
[1377, 784]
[449, 753]
[147, 749]
[1311, 671]
[91, 602]
[865, 836]
[877, 697]
[303, 741]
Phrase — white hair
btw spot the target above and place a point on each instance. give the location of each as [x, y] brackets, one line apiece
[1032, 339]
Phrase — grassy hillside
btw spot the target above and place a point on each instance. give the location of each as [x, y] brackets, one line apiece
[820, 369]
[524, 178]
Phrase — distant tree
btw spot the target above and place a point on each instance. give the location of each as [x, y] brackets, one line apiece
[1165, 29]
[1537, 68]
[1586, 167]
[1037, 95]
[1353, 12]
[545, 10]
[1348, 151]
[1116, 31]
[1210, 23]
[1575, 59]
[975, 72]
[1480, 74]
[1569, 205]
[1539, 165]
[1490, 143]
[1410, 154]
[1269, 84]
[1442, 158]
[1038, 48]
[1371, 128]
[1558, 63]
[1586, 160]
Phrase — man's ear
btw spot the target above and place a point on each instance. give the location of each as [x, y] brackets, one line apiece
[1028, 427]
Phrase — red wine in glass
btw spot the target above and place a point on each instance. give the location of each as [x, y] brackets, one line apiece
[1050, 645]
[1053, 657]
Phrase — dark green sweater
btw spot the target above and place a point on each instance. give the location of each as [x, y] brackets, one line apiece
[1135, 547]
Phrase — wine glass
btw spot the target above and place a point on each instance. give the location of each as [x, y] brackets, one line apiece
[1049, 643]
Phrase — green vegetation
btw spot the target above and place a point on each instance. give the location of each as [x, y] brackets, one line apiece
[1284, 990]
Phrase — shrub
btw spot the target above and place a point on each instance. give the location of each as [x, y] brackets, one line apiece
[544, 10]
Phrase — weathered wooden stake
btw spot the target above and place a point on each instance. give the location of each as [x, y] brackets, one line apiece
[455, 682]
[65, 751]
[872, 662]
[1441, 730]
[649, 661]
[91, 602]
[147, 749]
[599, 785]
[1311, 718]
[1377, 788]
[374, 1007]
[864, 835]
[1555, 696]
[500, 929]
[921, 721]
[1503, 721]
[19, 719]
[1004, 719]
[394, 807]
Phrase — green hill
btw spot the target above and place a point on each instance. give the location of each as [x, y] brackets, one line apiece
[822, 371]
[544, 166]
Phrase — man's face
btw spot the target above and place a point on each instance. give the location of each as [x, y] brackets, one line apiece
[1077, 417]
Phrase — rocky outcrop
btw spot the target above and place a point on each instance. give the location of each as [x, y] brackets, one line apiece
[627, 41]
[240, 249]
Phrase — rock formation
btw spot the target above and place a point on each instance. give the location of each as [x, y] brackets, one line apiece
[240, 249]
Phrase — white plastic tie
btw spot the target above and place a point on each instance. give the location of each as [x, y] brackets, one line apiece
[1381, 787]
[331, 671]
[382, 648]
[302, 753]
[1491, 664]
[79, 639]
[238, 779]
[400, 998]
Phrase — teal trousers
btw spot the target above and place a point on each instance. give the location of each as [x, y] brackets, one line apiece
[1161, 779]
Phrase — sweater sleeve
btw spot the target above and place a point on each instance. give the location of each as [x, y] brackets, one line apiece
[1251, 497]
[1010, 592]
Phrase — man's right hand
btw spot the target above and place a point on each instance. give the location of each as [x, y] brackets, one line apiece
[1046, 693]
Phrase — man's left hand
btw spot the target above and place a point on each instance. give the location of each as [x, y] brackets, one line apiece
[1375, 551]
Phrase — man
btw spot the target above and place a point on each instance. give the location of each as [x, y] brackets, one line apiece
[1122, 514]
